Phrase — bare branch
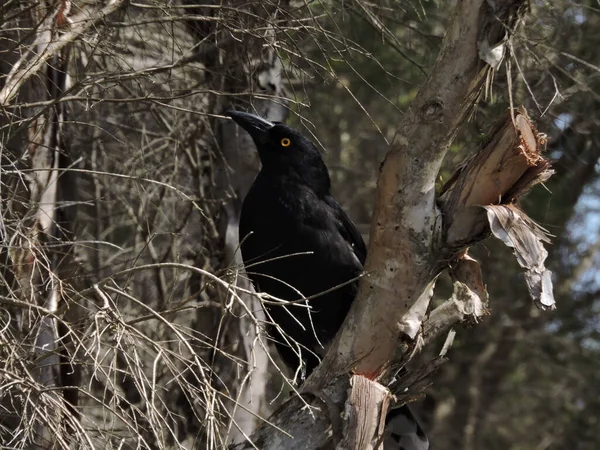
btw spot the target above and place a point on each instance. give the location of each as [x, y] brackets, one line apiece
[48, 44]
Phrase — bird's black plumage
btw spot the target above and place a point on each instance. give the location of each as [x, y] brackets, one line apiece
[297, 242]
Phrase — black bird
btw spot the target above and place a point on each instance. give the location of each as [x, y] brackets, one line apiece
[298, 243]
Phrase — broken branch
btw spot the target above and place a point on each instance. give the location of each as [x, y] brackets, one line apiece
[507, 166]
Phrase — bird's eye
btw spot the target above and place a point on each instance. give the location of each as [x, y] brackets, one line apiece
[285, 142]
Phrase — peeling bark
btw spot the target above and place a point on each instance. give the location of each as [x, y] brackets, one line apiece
[517, 231]
[468, 302]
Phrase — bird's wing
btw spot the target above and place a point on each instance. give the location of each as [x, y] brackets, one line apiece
[348, 230]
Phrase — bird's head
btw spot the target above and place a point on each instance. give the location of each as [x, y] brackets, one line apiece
[282, 148]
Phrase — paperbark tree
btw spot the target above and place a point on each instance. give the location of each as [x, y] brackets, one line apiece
[416, 234]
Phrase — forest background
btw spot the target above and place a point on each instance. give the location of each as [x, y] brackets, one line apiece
[129, 251]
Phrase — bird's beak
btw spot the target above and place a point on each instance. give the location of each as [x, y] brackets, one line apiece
[253, 124]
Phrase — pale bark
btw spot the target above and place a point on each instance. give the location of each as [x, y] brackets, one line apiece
[41, 259]
[365, 400]
[240, 153]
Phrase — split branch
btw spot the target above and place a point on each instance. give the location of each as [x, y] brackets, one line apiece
[501, 172]
[479, 199]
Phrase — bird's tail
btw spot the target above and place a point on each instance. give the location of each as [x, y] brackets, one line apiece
[403, 432]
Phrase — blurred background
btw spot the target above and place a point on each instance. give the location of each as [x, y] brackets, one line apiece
[121, 186]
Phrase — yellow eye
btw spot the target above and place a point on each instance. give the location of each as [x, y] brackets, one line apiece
[285, 142]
